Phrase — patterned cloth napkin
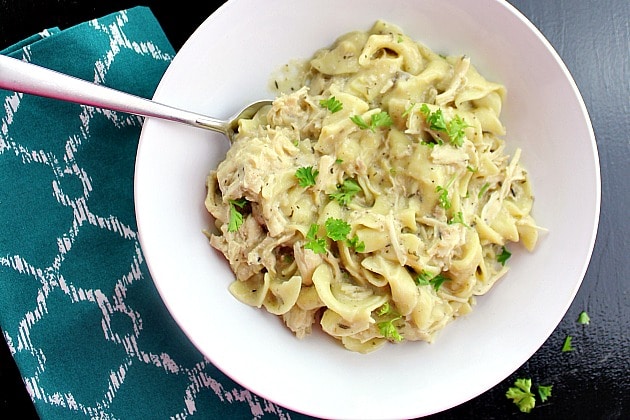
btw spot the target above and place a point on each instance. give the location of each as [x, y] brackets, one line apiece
[78, 308]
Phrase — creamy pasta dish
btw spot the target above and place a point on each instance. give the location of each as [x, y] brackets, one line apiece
[375, 198]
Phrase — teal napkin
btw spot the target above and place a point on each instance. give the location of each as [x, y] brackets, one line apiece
[78, 308]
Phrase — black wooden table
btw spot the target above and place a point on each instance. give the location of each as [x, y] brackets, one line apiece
[593, 38]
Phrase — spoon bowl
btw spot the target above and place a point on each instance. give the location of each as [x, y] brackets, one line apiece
[24, 77]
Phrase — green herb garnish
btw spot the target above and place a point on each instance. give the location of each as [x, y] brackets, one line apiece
[544, 391]
[337, 229]
[315, 244]
[345, 192]
[306, 176]
[236, 217]
[332, 104]
[425, 278]
[382, 119]
[567, 346]
[454, 128]
[443, 199]
[584, 318]
[503, 256]
[522, 395]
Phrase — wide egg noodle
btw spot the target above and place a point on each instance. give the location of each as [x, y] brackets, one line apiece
[430, 213]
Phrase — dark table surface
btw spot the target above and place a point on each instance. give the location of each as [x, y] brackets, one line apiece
[593, 39]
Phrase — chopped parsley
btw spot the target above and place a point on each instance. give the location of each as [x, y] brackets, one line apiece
[521, 394]
[584, 319]
[425, 278]
[382, 119]
[315, 244]
[435, 119]
[503, 256]
[337, 229]
[306, 176]
[443, 199]
[483, 189]
[544, 391]
[458, 218]
[356, 243]
[345, 191]
[332, 104]
[387, 328]
[567, 346]
[454, 128]
[236, 217]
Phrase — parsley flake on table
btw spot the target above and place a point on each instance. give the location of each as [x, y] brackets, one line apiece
[332, 104]
[567, 345]
[544, 391]
[306, 176]
[522, 395]
[381, 119]
[236, 217]
[583, 318]
[345, 191]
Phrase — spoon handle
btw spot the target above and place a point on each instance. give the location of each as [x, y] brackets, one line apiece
[20, 76]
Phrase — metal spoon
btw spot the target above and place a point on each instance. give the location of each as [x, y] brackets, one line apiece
[20, 76]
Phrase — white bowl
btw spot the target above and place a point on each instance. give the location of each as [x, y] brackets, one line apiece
[226, 64]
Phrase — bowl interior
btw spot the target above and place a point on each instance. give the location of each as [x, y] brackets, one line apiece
[227, 64]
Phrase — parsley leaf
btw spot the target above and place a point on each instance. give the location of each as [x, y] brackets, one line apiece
[544, 391]
[425, 278]
[483, 189]
[332, 104]
[567, 346]
[443, 199]
[306, 176]
[435, 119]
[345, 192]
[236, 218]
[455, 130]
[358, 120]
[584, 319]
[357, 244]
[389, 330]
[337, 229]
[458, 218]
[315, 244]
[382, 119]
[504, 256]
[522, 395]
[384, 309]
[387, 327]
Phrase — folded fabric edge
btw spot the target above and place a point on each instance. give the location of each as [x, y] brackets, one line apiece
[46, 33]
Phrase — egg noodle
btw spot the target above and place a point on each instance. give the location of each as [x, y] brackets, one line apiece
[375, 196]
